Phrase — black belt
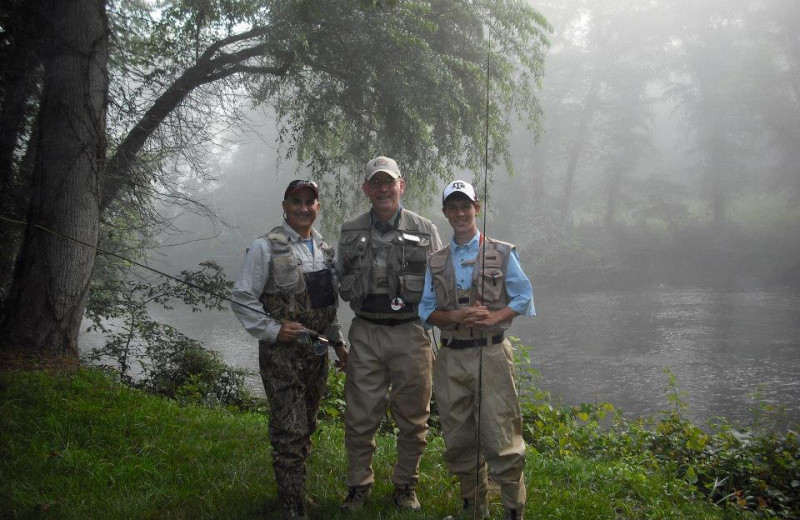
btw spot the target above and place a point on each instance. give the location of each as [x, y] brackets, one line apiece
[389, 321]
[469, 343]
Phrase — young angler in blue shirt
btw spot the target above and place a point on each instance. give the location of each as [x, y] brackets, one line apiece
[472, 295]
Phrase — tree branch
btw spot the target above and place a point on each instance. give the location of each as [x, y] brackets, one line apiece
[206, 70]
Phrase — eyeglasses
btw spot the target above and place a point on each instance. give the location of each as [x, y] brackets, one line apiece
[378, 183]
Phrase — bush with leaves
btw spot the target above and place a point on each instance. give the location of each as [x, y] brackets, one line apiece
[756, 470]
[157, 357]
[332, 405]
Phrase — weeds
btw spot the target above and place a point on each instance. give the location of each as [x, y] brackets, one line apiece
[727, 467]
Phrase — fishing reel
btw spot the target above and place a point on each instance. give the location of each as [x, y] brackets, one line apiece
[319, 347]
[319, 344]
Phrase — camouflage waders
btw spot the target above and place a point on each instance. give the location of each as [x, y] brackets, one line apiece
[294, 380]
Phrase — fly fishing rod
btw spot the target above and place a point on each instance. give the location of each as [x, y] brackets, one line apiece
[483, 284]
[319, 345]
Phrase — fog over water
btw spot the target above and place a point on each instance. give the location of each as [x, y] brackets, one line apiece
[658, 214]
[724, 348]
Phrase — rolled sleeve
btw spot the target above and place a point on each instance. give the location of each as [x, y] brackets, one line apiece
[436, 241]
[519, 288]
[247, 290]
[334, 332]
[428, 302]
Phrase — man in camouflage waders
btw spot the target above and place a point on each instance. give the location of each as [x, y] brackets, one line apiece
[289, 274]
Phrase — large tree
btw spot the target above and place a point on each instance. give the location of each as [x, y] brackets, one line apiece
[48, 296]
[347, 77]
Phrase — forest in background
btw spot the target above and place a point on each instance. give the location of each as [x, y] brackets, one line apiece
[667, 154]
[627, 143]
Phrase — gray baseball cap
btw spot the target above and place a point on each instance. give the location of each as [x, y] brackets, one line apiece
[381, 164]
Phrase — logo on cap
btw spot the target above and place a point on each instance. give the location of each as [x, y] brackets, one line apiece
[459, 185]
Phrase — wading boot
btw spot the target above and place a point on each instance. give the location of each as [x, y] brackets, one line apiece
[294, 508]
[405, 498]
[356, 497]
[468, 511]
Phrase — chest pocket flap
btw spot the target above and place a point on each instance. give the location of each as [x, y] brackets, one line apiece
[437, 262]
[286, 272]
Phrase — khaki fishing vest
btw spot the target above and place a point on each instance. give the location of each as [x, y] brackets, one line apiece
[285, 296]
[405, 269]
[491, 290]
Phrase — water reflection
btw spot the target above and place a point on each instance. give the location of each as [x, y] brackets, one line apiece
[613, 346]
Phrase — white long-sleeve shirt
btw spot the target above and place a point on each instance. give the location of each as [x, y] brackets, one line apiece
[253, 276]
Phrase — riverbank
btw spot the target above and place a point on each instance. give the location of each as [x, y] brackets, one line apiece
[78, 445]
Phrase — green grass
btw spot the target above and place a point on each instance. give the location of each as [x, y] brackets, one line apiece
[78, 445]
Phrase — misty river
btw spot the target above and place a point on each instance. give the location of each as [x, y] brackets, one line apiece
[612, 346]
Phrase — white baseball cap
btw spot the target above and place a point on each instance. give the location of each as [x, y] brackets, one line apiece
[459, 187]
[381, 164]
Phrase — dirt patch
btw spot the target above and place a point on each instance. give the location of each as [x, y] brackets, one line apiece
[17, 362]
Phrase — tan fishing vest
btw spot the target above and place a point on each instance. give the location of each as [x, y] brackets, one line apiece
[404, 277]
[491, 291]
[285, 296]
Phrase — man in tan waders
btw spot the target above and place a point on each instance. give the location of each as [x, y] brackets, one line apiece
[474, 287]
[382, 257]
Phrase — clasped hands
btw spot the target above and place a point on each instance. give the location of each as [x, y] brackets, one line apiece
[477, 315]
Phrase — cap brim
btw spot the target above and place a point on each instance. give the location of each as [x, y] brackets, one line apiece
[459, 192]
[289, 193]
[394, 175]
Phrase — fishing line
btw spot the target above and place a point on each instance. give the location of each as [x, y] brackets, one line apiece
[162, 273]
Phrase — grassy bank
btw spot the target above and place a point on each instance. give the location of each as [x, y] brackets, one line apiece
[75, 444]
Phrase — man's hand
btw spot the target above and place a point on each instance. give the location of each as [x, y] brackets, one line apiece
[487, 318]
[290, 330]
[471, 316]
[341, 355]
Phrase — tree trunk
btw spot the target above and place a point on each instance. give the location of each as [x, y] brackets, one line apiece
[577, 146]
[613, 194]
[44, 307]
[19, 90]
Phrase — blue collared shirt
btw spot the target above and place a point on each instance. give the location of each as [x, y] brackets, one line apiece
[518, 287]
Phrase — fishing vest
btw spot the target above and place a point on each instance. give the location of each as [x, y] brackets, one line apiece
[491, 290]
[409, 245]
[288, 292]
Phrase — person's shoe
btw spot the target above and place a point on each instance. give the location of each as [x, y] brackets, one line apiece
[513, 514]
[356, 497]
[405, 498]
[293, 508]
[468, 511]
[294, 514]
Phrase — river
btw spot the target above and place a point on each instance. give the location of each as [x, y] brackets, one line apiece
[606, 346]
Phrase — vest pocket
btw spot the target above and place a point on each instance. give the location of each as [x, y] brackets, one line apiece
[411, 286]
[350, 287]
[319, 285]
[352, 248]
[491, 287]
[411, 255]
[286, 273]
